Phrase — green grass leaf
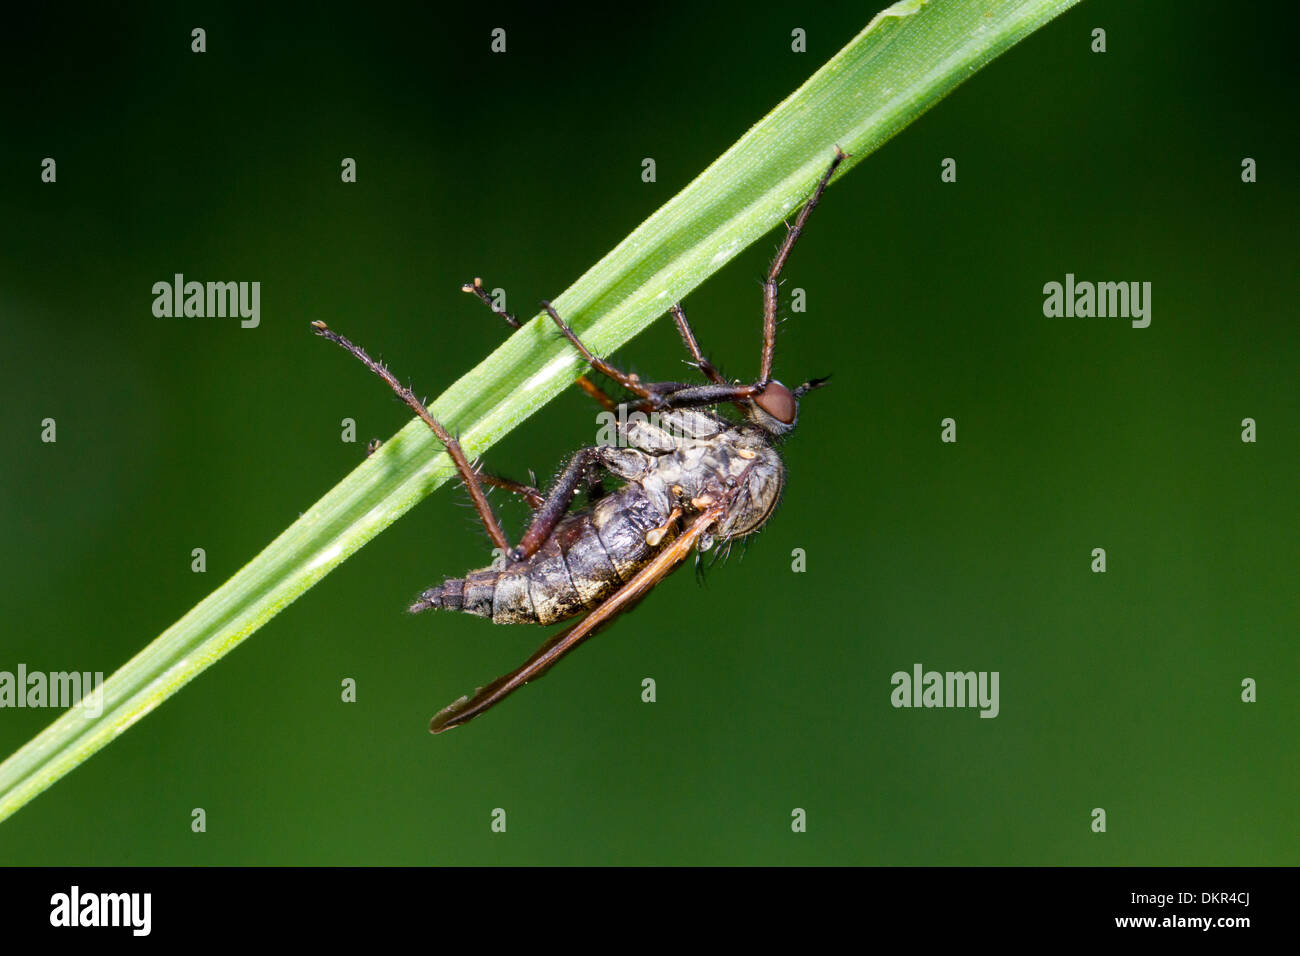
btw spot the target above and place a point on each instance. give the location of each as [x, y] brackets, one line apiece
[903, 62]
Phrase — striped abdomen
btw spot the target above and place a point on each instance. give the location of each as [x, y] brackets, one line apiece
[588, 556]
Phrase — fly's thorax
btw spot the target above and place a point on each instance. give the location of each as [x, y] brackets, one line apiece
[755, 477]
[663, 432]
[686, 457]
[738, 465]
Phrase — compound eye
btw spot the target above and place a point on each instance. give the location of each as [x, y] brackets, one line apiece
[778, 401]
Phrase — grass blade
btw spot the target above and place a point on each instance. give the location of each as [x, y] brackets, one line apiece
[902, 63]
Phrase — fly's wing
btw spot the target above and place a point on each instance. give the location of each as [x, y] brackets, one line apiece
[467, 708]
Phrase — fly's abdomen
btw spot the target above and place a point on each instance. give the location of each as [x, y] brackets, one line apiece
[588, 556]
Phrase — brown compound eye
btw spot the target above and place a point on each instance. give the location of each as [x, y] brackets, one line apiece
[778, 401]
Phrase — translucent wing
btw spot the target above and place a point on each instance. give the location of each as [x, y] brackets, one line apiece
[467, 708]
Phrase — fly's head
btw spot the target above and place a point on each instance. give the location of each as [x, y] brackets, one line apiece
[776, 408]
[758, 476]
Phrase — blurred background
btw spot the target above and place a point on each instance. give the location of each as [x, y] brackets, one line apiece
[1118, 690]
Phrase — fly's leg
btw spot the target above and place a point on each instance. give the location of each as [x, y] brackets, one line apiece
[532, 497]
[593, 480]
[630, 382]
[652, 394]
[695, 395]
[720, 391]
[467, 473]
[706, 367]
[774, 273]
[665, 395]
[692, 395]
[597, 393]
[476, 289]
[557, 501]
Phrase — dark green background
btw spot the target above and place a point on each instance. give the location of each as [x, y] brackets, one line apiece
[1118, 690]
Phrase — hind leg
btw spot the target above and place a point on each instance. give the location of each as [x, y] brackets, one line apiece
[468, 475]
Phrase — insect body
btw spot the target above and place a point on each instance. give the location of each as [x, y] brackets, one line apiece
[691, 477]
[693, 457]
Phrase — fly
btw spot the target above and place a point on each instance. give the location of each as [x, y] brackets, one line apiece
[690, 476]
